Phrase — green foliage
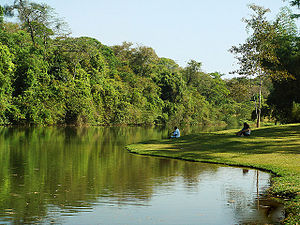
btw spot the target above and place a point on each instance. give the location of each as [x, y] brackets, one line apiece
[1, 16]
[6, 73]
[272, 51]
[295, 112]
[295, 3]
[52, 79]
[259, 49]
[285, 93]
[192, 73]
[37, 19]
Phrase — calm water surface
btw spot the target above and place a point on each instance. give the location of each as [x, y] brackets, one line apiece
[84, 176]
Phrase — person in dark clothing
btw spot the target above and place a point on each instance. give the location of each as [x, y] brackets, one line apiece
[246, 131]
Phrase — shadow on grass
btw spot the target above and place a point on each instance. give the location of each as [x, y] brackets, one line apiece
[281, 139]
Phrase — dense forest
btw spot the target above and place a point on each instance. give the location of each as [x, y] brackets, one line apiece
[48, 77]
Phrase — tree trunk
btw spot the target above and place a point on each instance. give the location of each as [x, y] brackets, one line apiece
[31, 32]
[259, 104]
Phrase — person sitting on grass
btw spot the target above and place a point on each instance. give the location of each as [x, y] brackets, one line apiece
[176, 133]
[245, 131]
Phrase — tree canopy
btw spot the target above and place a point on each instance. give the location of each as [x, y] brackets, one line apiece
[49, 77]
[266, 54]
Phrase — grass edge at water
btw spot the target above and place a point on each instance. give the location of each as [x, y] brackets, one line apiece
[275, 149]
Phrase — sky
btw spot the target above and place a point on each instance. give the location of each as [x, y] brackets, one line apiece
[181, 30]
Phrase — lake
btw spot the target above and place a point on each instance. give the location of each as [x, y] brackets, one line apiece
[69, 175]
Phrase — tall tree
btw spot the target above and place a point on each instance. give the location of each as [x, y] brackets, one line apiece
[258, 52]
[1, 16]
[38, 19]
[285, 94]
[294, 3]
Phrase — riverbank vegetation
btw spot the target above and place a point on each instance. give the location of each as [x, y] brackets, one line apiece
[48, 77]
[274, 148]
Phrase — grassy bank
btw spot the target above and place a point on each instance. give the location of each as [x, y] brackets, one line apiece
[275, 149]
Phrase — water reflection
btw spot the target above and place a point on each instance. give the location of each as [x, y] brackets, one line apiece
[74, 175]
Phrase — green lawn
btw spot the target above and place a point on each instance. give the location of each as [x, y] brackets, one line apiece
[275, 149]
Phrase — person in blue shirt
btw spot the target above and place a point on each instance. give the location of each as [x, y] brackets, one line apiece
[245, 131]
[176, 133]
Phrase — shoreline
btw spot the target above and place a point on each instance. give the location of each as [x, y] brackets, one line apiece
[273, 149]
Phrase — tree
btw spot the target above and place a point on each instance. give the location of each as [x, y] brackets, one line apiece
[239, 89]
[192, 72]
[258, 53]
[38, 19]
[294, 3]
[81, 81]
[1, 16]
[6, 71]
[285, 94]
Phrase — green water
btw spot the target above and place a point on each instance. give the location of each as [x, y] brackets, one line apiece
[85, 176]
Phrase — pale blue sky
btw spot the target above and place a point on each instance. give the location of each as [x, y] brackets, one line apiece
[178, 29]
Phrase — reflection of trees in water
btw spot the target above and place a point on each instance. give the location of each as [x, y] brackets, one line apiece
[72, 168]
[248, 206]
[193, 177]
[241, 203]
